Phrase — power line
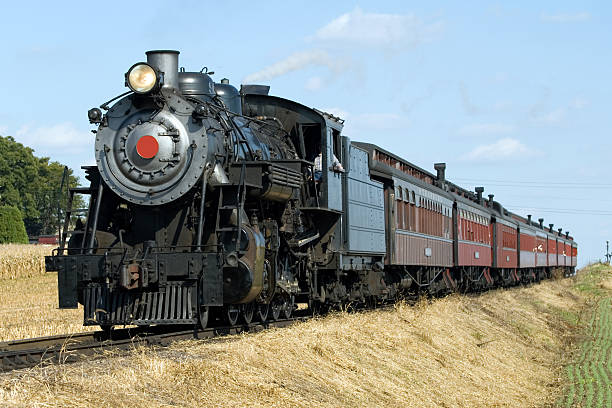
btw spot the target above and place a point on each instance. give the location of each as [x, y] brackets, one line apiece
[532, 197]
[526, 182]
[540, 186]
[577, 211]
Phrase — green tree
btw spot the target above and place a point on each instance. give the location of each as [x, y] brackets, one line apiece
[12, 230]
[32, 184]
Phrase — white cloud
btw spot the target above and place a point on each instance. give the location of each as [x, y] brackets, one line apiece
[62, 142]
[558, 115]
[376, 29]
[297, 61]
[378, 32]
[579, 103]
[314, 84]
[552, 117]
[507, 148]
[3, 130]
[63, 136]
[478, 129]
[567, 17]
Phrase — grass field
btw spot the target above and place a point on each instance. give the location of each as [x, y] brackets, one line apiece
[590, 374]
[505, 348]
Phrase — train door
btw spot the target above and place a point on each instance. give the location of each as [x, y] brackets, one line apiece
[333, 184]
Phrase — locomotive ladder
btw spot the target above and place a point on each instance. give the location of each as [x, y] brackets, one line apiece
[69, 210]
[231, 198]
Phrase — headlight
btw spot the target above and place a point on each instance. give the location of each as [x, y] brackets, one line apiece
[141, 78]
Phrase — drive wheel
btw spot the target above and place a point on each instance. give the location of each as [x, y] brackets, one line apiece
[276, 307]
[248, 311]
[203, 318]
[288, 307]
[232, 312]
[263, 310]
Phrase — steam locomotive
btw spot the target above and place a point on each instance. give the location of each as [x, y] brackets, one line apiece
[206, 200]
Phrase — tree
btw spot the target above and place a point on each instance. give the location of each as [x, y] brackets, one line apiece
[12, 230]
[31, 184]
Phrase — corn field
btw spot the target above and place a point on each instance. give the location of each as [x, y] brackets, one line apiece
[28, 296]
[22, 261]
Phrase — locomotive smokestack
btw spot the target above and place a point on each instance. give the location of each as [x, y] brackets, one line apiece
[566, 234]
[491, 198]
[551, 227]
[479, 191]
[165, 61]
[440, 169]
[529, 219]
[541, 221]
[560, 229]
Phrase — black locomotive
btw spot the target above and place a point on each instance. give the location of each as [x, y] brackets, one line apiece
[207, 199]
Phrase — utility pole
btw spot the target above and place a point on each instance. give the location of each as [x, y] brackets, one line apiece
[608, 254]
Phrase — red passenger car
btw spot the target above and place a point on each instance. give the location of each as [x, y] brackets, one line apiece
[422, 225]
[473, 234]
[527, 244]
[574, 253]
[541, 249]
[552, 251]
[505, 243]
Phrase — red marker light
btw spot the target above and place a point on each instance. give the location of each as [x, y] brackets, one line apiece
[147, 147]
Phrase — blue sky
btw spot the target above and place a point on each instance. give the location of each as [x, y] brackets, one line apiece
[512, 96]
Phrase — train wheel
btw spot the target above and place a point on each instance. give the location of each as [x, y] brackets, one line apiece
[276, 306]
[203, 318]
[288, 307]
[248, 311]
[262, 312]
[232, 313]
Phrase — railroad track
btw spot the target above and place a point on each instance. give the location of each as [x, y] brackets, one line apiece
[75, 347]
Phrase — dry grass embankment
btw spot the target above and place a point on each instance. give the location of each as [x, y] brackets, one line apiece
[28, 296]
[503, 348]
